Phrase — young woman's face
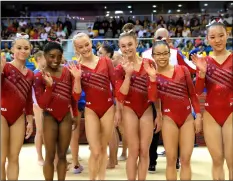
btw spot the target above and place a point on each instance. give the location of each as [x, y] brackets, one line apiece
[116, 59]
[161, 55]
[103, 52]
[217, 37]
[128, 46]
[41, 60]
[21, 49]
[83, 46]
[53, 58]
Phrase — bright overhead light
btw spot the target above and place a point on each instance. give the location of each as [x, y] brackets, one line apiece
[107, 15]
[180, 5]
[133, 16]
[129, 6]
[169, 11]
[178, 10]
[154, 11]
[131, 11]
[202, 10]
[111, 17]
[108, 12]
[206, 4]
[105, 7]
[231, 4]
[118, 12]
[154, 6]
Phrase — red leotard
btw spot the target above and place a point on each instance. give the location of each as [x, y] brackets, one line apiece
[219, 85]
[141, 90]
[58, 99]
[176, 93]
[96, 85]
[16, 93]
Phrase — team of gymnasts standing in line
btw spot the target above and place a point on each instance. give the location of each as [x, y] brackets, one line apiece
[124, 93]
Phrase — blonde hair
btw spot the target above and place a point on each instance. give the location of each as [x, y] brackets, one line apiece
[38, 54]
[77, 36]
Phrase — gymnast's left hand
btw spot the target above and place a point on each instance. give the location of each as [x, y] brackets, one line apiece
[29, 130]
[117, 118]
[198, 124]
[74, 123]
[158, 123]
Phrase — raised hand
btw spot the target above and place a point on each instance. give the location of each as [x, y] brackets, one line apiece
[3, 61]
[150, 69]
[127, 65]
[47, 78]
[75, 70]
[200, 62]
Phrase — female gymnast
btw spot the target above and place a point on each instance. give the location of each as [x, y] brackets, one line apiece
[38, 112]
[57, 91]
[16, 102]
[97, 78]
[215, 73]
[177, 94]
[136, 89]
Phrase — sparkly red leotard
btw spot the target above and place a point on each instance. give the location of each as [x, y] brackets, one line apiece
[141, 92]
[59, 98]
[219, 85]
[16, 93]
[175, 94]
[96, 85]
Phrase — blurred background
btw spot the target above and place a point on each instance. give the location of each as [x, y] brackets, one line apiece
[185, 20]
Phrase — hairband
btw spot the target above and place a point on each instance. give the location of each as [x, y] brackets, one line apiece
[22, 35]
[214, 21]
[126, 32]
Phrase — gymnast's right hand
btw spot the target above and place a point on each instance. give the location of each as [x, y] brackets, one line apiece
[200, 62]
[47, 78]
[3, 61]
[127, 65]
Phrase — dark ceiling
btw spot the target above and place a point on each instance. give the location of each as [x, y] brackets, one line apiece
[88, 8]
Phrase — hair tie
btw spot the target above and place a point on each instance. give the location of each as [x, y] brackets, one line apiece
[126, 32]
[214, 21]
[22, 35]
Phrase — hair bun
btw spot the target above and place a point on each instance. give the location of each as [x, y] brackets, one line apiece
[128, 28]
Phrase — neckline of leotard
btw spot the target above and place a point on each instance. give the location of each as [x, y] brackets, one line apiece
[19, 70]
[60, 77]
[93, 68]
[214, 60]
[173, 74]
